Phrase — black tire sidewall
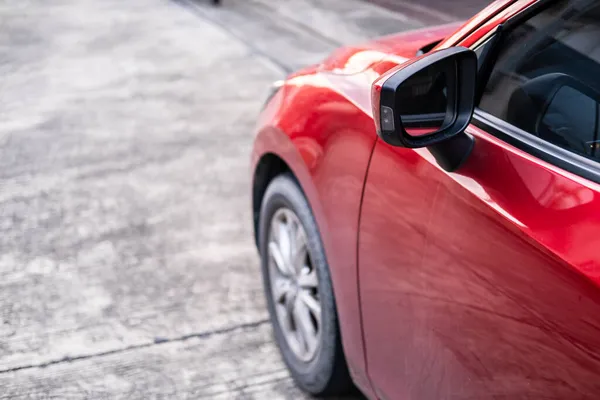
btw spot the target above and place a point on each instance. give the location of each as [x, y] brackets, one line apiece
[314, 375]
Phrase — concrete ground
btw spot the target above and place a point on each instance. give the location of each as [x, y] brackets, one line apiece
[127, 268]
[435, 11]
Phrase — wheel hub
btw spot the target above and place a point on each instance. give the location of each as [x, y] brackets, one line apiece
[294, 285]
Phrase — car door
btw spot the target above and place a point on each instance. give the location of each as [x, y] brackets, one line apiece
[483, 283]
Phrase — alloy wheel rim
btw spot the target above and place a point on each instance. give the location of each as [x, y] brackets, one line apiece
[294, 285]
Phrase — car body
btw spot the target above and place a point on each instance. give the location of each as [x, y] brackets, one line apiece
[476, 283]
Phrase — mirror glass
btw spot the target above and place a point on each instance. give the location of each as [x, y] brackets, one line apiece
[423, 101]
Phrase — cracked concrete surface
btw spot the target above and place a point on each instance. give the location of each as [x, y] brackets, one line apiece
[127, 268]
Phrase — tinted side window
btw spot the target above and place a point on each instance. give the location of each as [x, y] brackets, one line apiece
[546, 80]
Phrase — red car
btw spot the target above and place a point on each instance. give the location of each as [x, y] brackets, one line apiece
[427, 210]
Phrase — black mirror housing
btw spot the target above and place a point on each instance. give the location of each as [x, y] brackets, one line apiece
[427, 100]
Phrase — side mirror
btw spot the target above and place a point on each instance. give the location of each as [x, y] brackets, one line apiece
[427, 101]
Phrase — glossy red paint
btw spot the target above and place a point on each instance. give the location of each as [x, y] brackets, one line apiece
[490, 287]
[519, 312]
[477, 284]
[329, 157]
[320, 124]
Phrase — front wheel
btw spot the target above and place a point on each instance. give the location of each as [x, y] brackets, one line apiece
[299, 292]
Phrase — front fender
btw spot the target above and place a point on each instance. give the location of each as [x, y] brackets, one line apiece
[320, 125]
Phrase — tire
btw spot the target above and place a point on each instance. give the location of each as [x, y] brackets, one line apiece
[325, 373]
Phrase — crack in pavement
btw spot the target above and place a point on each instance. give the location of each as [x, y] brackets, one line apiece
[157, 341]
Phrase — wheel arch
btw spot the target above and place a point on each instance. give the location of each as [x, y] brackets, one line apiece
[269, 166]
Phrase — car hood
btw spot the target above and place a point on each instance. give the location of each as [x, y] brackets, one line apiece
[399, 47]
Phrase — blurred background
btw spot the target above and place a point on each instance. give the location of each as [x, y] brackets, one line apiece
[127, 266]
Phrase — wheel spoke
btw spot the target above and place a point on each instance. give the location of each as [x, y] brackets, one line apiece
[285, 241]
[312, 304]
[300, 250]
[275, 230]
[308, 280]
[281, 289]
[279, 260]
[304, 326]
[290, 299]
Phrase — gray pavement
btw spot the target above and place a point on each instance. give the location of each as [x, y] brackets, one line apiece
[127, 268]
[435, 11]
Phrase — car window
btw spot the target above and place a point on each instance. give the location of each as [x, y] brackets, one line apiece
[546, 80]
